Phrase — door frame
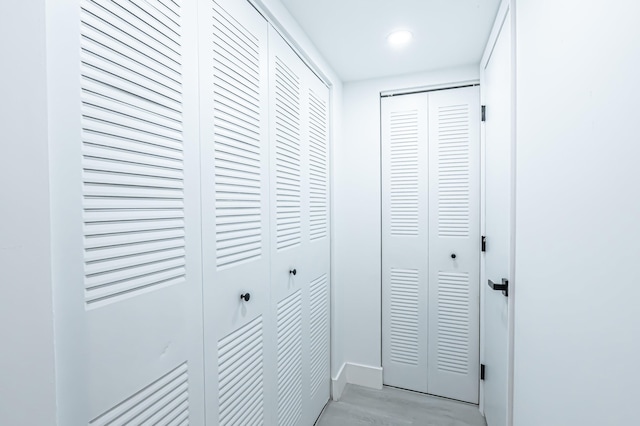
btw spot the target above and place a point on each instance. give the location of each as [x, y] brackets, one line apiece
[504, 16]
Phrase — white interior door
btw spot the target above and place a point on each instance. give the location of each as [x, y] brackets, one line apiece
[126, 221]
[431, 242]
[235, 213]
[405, 256]
[454, 243]
[290, 224]
[316, 308]
[300, 235]
[497, 92]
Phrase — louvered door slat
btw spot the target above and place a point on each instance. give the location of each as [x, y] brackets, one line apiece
[129, 152]
[237, 142]
[318, 167]
[287, 156]
[289, 331]
[240, 372]
[319, 334]
[159, 403]
[404, 244]
[235, 196]
[125, 139]
[454, 155]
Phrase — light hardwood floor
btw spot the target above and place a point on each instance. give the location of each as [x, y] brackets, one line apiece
[395, 407]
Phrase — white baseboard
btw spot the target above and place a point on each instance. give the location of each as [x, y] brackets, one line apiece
[364, 375]
[355, 374]
[338, 383]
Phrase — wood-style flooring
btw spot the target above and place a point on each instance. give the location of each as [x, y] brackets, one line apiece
[395, 407]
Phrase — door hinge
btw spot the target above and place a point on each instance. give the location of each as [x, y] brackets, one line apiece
[481, 371]
[484, 113]
[484, 243]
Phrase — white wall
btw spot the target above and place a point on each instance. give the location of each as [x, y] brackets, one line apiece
[27, 383]
[357, 208]
[577, 313]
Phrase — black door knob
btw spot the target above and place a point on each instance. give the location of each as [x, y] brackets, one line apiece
[245, 297]
[293, 271]
[453, 255]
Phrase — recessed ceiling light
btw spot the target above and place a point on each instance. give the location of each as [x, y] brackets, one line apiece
[399, 38]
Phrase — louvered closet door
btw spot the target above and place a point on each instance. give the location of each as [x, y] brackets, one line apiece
[134, 355]
[405, 274]
[235, 203]
[316, 309]
[289, 222]
[454, 229]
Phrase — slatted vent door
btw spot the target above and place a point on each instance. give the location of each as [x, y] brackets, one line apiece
[405, 254]
[132, 148]
[404, 173]
[453, 322]
[454, 228]
[319, 303]
[453, 170]
[289, 323]
[405, 318]
[238, 120]
[287, 155]
[233, 118]
[164, 402]
[241, 376]
[318, 173]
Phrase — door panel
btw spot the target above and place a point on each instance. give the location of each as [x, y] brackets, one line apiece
[290, 224]
[315, 338]
[454, 243]
[289, 323]
[431, 242]
[404, 241]
[235, 211]
[241, 376]
[299, 112]
[319, 342]
[497, 90]
[140, 188]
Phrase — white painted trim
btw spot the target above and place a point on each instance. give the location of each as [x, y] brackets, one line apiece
[355, 374]
[430, 88]
[338, 383]
[503, 11]
[364, 375]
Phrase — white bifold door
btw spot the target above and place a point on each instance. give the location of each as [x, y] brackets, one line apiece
[300, 234]
[431, 242]
[190, 217]
[125, 213]
[235, 213]
[264, 121]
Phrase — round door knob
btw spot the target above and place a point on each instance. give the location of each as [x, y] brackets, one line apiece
[293, 271]
[453, 255]
[245, 297]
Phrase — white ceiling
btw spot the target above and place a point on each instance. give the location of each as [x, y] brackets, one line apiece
[351, 34]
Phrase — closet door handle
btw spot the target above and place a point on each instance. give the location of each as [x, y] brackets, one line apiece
[245, 297]
[293, 272]
[453, 255]
[504, 286]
